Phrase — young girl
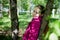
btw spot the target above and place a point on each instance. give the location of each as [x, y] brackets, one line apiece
[33, 28]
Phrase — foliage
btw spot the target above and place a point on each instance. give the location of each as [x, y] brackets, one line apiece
[41, 2]
[5, 3]
[5, 23]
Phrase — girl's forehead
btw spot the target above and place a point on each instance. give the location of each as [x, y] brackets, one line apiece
[36, 9]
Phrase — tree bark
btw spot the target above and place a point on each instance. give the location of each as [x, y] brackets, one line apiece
[45, 20]
[14, 19]
[1, 7]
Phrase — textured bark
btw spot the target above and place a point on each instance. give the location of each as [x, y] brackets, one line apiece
[46, 29]
[49, 7]
[14, 19]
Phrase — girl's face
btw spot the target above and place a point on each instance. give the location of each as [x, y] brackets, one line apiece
[36, 12]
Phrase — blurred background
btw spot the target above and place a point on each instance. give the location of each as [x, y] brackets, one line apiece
[24, 11]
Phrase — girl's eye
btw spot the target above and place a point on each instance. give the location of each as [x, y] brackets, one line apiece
[34, 11]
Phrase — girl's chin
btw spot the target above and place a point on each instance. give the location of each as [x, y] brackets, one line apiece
[36, 16]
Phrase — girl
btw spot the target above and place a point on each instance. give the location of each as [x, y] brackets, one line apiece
[33, 28]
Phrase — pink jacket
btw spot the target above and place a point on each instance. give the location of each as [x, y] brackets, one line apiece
[33, 29]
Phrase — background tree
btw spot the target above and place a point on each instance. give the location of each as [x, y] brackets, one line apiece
[14, 19]
[28, 5]
[49, 7]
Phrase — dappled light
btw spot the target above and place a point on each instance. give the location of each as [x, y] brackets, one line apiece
[24, 10]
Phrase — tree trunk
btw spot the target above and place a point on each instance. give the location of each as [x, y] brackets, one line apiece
[45, 20]
[14, 19]
[1, 6]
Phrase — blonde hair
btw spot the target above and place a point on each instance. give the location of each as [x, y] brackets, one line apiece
[41, 8]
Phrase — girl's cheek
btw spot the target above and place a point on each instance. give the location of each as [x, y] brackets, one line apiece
[33, 14]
